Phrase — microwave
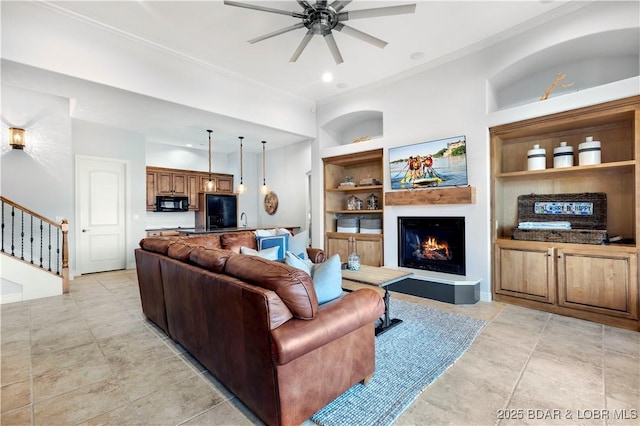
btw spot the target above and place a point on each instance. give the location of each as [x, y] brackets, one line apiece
[171, 203]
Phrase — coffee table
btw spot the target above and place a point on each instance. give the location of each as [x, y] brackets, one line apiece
[378, 277]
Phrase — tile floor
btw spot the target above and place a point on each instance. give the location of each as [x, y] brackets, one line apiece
[91, 358]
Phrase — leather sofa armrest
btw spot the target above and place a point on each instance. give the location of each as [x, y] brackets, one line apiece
[316, 255]
[334, 319]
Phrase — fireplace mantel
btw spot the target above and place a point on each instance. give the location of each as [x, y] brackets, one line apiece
[415, 197]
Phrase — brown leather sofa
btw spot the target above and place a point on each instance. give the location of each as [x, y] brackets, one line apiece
[256, 325]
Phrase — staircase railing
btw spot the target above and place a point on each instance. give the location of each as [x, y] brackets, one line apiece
[35, 240]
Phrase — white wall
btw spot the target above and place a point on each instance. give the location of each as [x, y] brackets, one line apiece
[452, 100]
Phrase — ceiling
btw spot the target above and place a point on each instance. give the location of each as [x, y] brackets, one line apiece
[216, 34]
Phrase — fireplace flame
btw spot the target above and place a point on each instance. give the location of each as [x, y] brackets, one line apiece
[434, 249]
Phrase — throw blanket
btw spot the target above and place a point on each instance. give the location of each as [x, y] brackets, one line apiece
[545, 225]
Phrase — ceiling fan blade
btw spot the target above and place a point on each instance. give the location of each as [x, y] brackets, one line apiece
[277, 32]
[301, 46]
[360, 35]
[263, 8]
[338, 5]
[305, 4]
[321, 2]
[333, 48]
[374, 13]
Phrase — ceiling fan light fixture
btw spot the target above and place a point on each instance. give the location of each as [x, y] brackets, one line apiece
[321, 19]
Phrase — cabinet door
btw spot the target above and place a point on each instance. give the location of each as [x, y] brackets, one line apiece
[193, 186]
[151, 190]
[526, 273]
[180, 184]
[598, 282]
[164, 182]
[369, 247]
[224, 184]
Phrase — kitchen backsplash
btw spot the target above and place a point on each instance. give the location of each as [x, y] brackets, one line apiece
[156, 220]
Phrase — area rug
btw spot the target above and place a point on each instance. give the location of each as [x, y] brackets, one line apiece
[409, 357]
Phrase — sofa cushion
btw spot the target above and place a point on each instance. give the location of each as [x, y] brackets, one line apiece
[294, 286]
[207, 240]
[234, 240]
[279, 241]
[212, 259]
[181, 250]
[157, 244]
[269, 253]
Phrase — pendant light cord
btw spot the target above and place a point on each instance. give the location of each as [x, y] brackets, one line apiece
[264, 165]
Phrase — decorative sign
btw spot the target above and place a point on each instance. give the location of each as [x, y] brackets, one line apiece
[563, 208]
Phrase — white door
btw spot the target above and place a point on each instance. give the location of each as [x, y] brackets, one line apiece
[100, 195]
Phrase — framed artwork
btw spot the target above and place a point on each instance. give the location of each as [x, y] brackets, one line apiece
[436, 163]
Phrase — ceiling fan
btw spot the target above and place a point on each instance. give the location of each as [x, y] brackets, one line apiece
[321, 19]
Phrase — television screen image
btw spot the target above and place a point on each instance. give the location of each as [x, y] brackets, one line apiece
[437, 163]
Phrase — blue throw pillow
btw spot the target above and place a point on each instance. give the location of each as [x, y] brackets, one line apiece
[327, 279]
[297, 262]
[280, 241]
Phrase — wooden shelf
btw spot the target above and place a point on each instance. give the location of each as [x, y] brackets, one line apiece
[363, 188]
[418, 197]
[362, 211]
[567, 171]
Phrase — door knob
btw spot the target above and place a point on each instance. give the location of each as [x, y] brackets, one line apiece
[86, 230]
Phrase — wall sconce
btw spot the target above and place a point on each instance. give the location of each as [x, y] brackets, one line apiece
[16, 138]
[210, 185]
[241, 187]
[264, 189]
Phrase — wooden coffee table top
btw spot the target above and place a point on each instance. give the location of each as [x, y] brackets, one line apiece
[374, 275]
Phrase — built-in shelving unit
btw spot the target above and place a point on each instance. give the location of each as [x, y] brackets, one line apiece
[595, 282]
[359, 166]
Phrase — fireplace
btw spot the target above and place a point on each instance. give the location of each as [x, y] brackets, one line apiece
[432, 244]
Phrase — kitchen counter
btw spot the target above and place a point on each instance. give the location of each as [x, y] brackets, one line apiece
[197, 231]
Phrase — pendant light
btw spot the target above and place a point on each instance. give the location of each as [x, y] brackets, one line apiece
[210, 185]
[264, 189]
[241, 187]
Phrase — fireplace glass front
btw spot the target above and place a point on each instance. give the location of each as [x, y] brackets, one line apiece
[432, 244]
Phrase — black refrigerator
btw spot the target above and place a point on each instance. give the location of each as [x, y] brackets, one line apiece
[218, 211]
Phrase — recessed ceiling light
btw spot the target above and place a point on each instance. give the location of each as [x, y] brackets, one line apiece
[189, 145]
[327, 77]
[417, 56]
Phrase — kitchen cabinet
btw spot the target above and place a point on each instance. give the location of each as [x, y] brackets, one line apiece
[189, 183]
[594, 282]
[360, 167]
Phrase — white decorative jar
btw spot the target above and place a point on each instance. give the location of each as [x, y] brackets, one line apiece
[563, 156]
[589, 152]
[537, 158]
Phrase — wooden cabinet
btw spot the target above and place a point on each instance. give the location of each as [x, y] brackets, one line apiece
[595, 282]
[360, 167]
[163, 181]
[171, 183]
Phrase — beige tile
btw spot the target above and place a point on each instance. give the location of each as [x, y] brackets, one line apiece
[622, 375]
[80, 404]
[134, 349]
[225, 414]
[61, 380]
[144, 380]
[626, 342]
[623, 413]
[15, 367]
[125, 415]
[70, 358]
[178, 402]
[19, 417]
[59, 342]
[15, 395]
[122, 325]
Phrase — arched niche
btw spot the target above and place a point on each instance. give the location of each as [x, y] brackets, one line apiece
[349, 127]
[588, 61]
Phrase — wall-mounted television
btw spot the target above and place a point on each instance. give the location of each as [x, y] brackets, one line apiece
[436, 163]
